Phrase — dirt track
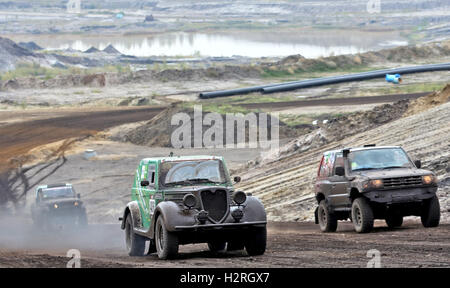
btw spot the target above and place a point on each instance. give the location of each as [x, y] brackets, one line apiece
[18, 138]
[289, 245]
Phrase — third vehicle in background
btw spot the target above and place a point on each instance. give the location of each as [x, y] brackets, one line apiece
[58, 206]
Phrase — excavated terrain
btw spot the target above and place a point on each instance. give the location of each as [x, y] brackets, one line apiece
[285, 182]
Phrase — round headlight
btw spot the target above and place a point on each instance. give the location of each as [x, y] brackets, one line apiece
[189, 200]
[239, 197]
[56, 206]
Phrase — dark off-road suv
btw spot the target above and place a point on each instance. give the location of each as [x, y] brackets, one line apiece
[57, 206]
[370, 183]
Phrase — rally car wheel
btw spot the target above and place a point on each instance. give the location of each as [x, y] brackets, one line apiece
[431, 212]
[256, 241]
[166, 241]
[327, 220]
[217, 246]
[362, 215]
[135, 243]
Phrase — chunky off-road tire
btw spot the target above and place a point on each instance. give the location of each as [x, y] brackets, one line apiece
[217, 246]
[362, 215]
[151, 247]
[431, 212]
[235, 245]
[394, 221]
[327, 220]
[166, 242]
[256, 241]
[135, 243]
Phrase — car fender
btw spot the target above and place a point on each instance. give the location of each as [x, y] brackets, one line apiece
[173, 215]
[254, 210]
[132, 208]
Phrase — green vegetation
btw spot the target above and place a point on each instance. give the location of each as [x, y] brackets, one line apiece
[31, 70]
[318, 70]
[24, 70]
[254, 98]
[219, 108]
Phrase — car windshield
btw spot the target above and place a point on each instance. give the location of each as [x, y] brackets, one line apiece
[57, 192]
[384, 158]
[192, 172]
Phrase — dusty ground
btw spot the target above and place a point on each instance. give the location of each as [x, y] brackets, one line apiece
[289, 245]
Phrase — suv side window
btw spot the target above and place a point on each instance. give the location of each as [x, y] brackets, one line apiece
[339, 162]
[326, 165]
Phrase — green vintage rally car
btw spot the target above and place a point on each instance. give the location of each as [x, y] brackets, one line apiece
[190, 199]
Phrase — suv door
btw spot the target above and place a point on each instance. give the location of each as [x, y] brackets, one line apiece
[338, 193]
[323, 184]
[151, 190]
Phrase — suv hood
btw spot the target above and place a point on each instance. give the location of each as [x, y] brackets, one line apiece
[63, 201]
[393, 173]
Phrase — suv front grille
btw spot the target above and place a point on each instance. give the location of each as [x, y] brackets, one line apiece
[402, 181]
[215, 203]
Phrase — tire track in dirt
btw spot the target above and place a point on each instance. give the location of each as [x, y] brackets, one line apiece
[17, 139]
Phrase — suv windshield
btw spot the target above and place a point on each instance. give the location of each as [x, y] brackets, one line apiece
[59, 192]
[192, 172]
[383, 158]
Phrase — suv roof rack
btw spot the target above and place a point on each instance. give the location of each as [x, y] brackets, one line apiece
[370, 145]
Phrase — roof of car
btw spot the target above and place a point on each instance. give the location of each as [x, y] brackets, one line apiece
[182, 158]
[362, 148]
[52, 186]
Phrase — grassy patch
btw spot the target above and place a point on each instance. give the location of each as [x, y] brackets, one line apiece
[31, 69]
[318, 70]
[24, 70]
[219, 108]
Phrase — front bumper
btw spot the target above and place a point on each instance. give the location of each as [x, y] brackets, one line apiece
[238, 225]
[404, 195]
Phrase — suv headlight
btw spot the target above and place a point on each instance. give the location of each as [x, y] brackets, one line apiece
[429, 179]
[376, 183]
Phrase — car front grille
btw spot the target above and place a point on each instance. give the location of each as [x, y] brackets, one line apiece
[215, 202]
[402, 181]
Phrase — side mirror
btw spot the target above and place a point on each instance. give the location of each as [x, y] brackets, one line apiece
[237, 179]
[340, 171]
[145, 183]
[78, 195]
[418, 164]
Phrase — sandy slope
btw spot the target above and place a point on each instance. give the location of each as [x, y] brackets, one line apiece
[285, 185]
